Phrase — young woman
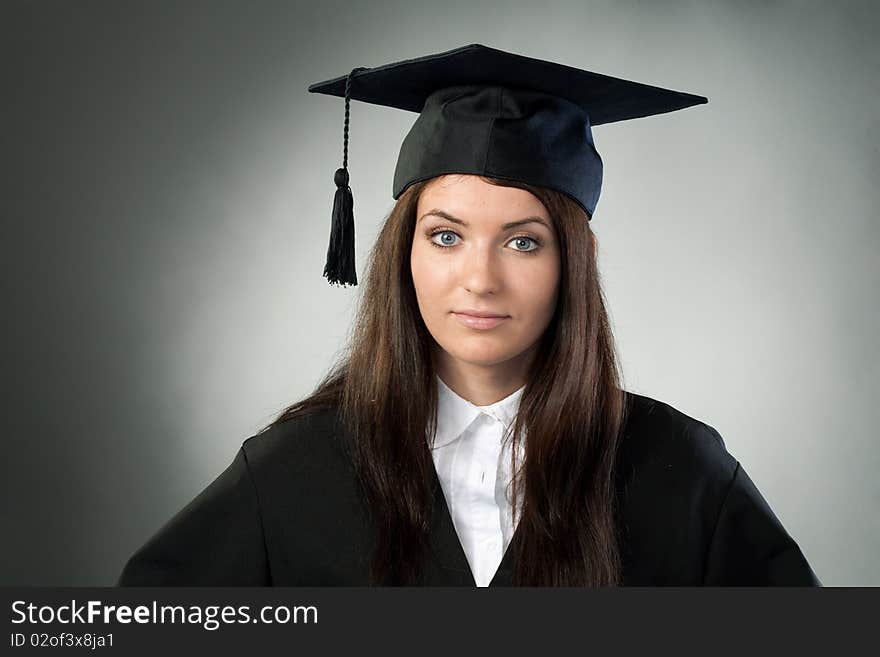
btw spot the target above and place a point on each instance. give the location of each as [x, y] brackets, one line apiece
[475, 432]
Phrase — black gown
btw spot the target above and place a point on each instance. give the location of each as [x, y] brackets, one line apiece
[286, 512]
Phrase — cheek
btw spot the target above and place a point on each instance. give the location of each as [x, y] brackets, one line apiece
[536, 289]
[427, 279]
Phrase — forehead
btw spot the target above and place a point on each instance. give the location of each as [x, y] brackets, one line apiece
[472, 198]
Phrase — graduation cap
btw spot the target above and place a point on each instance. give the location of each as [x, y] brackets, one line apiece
[488, 112]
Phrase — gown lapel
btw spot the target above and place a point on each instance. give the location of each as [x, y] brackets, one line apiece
[449, 566]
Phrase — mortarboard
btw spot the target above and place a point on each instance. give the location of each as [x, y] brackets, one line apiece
[493, 113]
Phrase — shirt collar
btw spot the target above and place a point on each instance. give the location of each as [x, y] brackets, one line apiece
[455, 414]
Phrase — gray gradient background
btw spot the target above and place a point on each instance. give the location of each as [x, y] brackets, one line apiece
[167, 185]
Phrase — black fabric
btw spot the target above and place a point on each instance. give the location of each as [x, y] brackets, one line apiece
[286, 512]
[489, 112]
[503, 133]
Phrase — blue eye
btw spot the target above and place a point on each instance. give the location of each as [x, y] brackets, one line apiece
[525, 239]
[446, 241]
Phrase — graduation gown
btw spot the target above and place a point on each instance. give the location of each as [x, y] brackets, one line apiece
[286, 512]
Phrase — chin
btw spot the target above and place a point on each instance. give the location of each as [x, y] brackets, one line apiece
[481, 357]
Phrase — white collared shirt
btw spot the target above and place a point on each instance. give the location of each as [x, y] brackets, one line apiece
[471, 453]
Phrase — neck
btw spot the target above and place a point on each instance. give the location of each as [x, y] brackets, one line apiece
[483, 385]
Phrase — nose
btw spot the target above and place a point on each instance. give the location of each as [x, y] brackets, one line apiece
[480, 271]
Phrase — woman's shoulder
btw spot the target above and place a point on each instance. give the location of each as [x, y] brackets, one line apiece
[308, 440]
[677, 474]
[658, 435]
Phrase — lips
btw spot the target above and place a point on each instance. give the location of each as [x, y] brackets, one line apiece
[479, 323]
[478, 313]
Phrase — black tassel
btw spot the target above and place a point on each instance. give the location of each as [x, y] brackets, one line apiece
[340, 267]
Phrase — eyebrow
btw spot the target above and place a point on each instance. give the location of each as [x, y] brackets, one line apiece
[507, 226]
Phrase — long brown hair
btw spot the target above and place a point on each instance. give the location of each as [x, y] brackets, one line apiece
[572, 410]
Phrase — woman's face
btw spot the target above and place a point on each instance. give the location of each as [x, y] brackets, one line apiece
[464, 258]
